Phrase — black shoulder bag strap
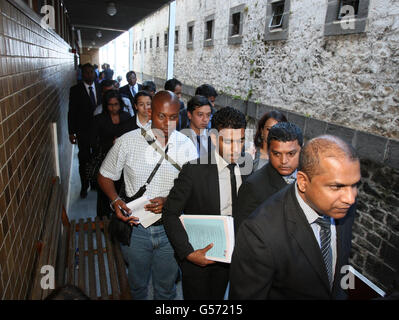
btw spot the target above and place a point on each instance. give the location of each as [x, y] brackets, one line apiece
[160, 151]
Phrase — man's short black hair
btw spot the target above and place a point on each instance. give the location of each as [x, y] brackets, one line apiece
[171, 84]
[284, 132]
[141, 93]
[130, 73]
[206, 90]
[149, 86]
[87, 65]
[228, 117]
[197, 101]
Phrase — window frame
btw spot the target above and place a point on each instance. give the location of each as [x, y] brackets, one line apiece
[333, 24]
[208, 42]
[190, 44]
[279, 32]
[236, 38]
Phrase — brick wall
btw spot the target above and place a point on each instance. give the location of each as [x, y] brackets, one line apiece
[36, 71]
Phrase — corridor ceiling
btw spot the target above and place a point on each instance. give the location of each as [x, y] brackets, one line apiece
[90, 16]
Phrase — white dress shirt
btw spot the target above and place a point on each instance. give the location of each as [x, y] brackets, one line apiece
[146, 127]
[136, 158]
[312, 216]
[203, 141]
[226, 207]
[135, 87]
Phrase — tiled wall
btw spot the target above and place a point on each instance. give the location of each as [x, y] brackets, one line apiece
[36, 72]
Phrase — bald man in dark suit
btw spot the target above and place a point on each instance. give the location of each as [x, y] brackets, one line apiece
[295, 244]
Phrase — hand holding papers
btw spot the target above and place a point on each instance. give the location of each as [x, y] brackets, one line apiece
[146, 218]
[203, 230]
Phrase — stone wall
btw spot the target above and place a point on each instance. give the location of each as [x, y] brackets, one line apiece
[36, 71]
[344, 85]
[349, 80]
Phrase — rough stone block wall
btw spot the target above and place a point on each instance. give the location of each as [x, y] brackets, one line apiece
[344, 85]
[36, 71]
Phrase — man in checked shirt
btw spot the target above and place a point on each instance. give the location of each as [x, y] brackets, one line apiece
[149, 253]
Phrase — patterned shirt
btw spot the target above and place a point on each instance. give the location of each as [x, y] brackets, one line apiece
[133, 155]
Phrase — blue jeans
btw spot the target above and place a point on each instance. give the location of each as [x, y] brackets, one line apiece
[151, 254]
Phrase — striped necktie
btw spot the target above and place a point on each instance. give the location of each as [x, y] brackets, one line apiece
[325, 240]
[92, 97]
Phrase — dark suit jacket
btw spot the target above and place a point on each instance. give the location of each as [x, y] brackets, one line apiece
[80, 114]
[125, 90]
[276, 255]
[195, 191]
[257, 188]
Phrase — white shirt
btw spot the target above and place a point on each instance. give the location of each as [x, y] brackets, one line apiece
[203, 141]
[128, 106]
[132, 154]
[136, 89]
[146, 127]
[88, 90]
[226, 208]
[312, 216]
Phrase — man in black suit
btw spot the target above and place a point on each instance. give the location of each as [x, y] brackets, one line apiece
[131, 88]
[284, 145]
[83, 100]
[208, 189]
[295, 244]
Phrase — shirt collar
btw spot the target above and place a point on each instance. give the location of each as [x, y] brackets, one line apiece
[146, 126]
[310, 214]
[172, 137]
[220, 162]
[203, 133]
[89, 85]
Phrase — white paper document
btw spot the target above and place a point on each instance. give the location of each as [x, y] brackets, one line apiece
[203, 230]
[146, 218]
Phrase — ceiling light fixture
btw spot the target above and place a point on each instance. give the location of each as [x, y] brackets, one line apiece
[111, 9]
[99, 34]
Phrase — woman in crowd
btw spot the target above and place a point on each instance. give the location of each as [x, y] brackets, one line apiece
[268, 120]
[142, 113]
[105, 129]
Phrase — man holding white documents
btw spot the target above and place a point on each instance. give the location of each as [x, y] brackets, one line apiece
[207, 189]
[151, 160]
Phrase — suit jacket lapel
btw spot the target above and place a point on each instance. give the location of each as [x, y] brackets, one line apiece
[277, 181]
[301, 231]
[213, 184]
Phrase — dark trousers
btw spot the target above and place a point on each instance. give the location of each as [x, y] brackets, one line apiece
[204, 283]
[84, 157]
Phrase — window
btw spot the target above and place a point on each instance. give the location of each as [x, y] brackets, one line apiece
[157, 40]
[145, 45]
[278, 13]
[346, 17]
[236, 24]
[165, 39]
[277, 19]
[190, 34]
[176, 37]
[150, 43]
[209, 30]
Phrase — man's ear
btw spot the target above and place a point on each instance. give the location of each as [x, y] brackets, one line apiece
[302, 180]
[189, 115]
